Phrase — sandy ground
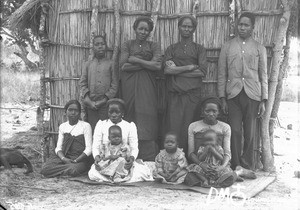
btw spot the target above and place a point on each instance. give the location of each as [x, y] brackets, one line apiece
[58, 193]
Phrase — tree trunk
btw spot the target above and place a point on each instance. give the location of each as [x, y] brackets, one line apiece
[267, 158]
[29, 64]
[282, 72]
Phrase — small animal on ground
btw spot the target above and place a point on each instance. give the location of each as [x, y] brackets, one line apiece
[12, 157]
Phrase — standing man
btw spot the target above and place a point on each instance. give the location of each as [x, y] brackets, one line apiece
[243, 89]
[184, 66]
[98, 82]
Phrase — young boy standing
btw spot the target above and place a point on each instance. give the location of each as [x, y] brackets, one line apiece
[98, 82]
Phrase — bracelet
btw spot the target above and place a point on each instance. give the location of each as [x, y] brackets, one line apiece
[62, 158]
[75, 161]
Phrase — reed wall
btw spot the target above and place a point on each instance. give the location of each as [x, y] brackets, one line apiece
[69, 31]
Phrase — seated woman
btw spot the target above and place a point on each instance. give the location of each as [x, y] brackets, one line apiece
[74, 146]
[116, 109]
[206, 173]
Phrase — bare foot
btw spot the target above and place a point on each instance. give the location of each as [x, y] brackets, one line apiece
[245, 173]
[239, 179]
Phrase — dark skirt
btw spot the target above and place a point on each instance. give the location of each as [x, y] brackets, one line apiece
[72, 148]
[224, 177]
[140, 96]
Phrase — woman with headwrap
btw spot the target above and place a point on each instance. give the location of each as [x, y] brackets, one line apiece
[74, 146]
[140, 61]
[184, 66]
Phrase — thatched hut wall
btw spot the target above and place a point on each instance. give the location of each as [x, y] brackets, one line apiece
[69, 32]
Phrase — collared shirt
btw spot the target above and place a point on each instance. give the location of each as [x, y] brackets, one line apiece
[75, 130]
[98, 79]
[243, 64]
[129, 136]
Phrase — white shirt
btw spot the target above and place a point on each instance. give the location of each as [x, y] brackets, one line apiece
[75, 130]
[129, 136]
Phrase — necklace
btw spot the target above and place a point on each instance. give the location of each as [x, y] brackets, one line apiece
[73, 128]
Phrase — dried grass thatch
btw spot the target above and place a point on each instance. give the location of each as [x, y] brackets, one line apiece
[27, 16]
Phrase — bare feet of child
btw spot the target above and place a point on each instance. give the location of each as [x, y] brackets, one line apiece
[245, 173]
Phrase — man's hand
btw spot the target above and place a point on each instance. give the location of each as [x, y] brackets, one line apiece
[89, 103]
[100, 103]
[224, 105]
[261, 109]
[129, 163]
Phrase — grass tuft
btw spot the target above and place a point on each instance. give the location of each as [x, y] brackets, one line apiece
[19, 87]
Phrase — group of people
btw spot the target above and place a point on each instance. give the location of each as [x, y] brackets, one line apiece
[198, 148]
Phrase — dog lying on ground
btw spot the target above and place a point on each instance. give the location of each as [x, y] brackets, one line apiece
[12, 157]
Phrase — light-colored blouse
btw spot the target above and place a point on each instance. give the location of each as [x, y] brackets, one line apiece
[222, 129]
[75, 130]
[129, 136]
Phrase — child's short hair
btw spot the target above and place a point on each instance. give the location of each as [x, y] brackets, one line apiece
[114, 127]
[248, 15]
[173, 133]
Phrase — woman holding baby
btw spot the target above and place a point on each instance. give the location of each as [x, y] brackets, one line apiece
[115, 148]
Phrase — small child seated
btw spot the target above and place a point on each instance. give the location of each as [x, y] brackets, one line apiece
[170, 163]
[114, 156]
[211, 154]
[210, 151]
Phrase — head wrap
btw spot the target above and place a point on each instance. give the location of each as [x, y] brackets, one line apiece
[148, 20]
[192, 18]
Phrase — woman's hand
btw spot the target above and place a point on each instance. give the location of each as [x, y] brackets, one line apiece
[129, 163]
[67, 160]
[133, 59]
[193, 67]
[97, 159]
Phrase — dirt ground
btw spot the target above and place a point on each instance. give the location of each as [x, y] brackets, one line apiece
[59, 193]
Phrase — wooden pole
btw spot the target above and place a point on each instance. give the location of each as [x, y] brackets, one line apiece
[232, 18]
[238, 8]
[94, 21]
[154, 16]
[117, 36]
[41, 108]
[267, 158]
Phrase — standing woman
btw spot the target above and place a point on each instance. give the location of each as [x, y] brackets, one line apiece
[185, 66]
[139, 62]
[74, 146]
